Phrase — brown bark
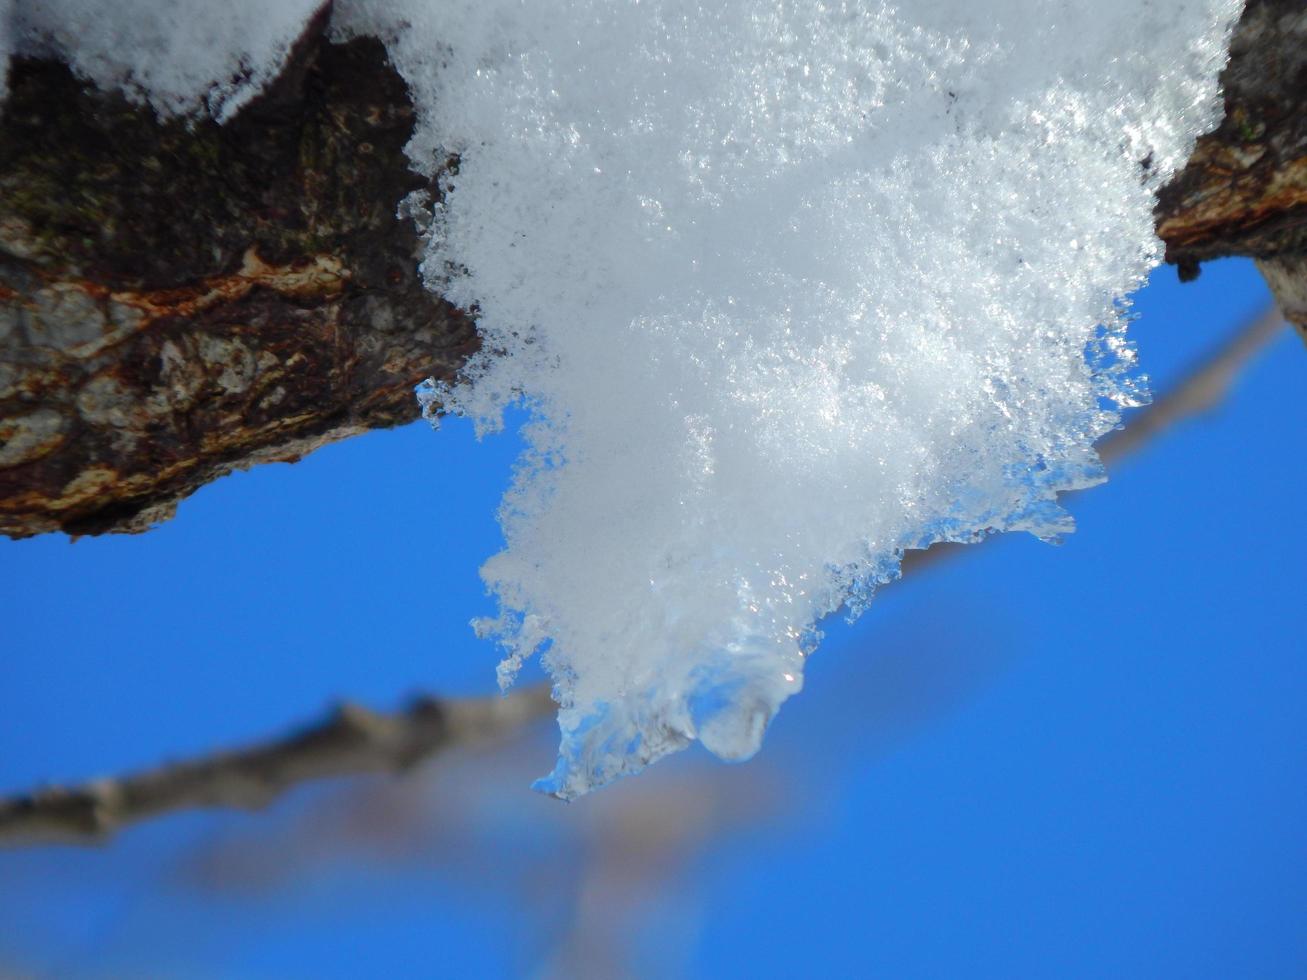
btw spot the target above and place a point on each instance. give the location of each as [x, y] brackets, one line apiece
[1244, 189]
[179, 299]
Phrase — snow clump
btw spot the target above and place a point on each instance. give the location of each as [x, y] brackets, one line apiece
[788, 288]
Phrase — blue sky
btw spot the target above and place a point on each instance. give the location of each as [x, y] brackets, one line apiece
[1084, 760]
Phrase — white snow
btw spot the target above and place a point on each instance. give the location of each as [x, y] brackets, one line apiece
[788, 287]
[177, 55]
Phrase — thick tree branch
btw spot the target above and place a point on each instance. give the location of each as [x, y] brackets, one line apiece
[354, 740]
[1244, 189]
[351, 741]
[180, 299]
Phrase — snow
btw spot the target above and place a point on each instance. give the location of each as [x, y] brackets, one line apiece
[178, 55]
[787, 287]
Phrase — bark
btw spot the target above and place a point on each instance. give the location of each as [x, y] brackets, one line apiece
[179, 299]
[1244, 189]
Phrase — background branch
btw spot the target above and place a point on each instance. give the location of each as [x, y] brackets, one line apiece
[350, 741]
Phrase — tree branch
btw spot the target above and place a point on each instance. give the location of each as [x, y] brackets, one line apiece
[179, 299]
[1243, 190]
[351, 741]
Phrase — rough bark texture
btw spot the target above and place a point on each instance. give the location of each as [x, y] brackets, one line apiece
[1244, 189]
[180, 299]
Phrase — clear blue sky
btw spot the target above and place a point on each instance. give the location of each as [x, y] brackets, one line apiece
[1086, 760]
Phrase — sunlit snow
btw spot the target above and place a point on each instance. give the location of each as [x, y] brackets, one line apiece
[788, 288]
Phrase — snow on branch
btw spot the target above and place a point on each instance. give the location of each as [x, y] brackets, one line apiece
[789, 290]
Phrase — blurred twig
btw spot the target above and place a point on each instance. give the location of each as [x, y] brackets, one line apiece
[1201, 391]
[350, 741]
[354, 740]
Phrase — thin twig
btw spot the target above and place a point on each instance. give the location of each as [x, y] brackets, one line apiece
[355, 740]
[350, 741]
